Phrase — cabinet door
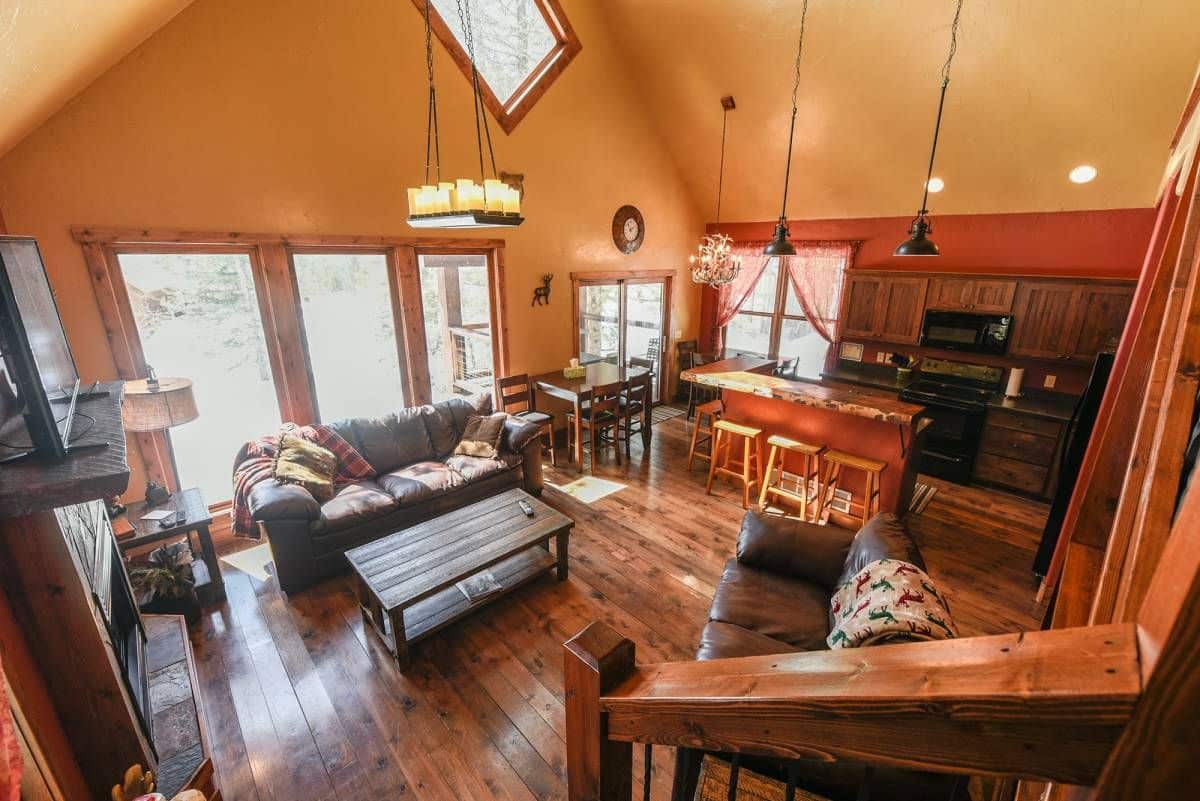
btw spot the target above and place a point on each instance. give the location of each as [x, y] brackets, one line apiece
[1102, 313]
[903, 308]
[951, 294]
[1045, 317]
[992, 297]
[863, 297]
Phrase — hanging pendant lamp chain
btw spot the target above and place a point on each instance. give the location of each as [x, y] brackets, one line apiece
[937, 125]
[464, 18]
[787, 171]
[721, 171]
[431, 125]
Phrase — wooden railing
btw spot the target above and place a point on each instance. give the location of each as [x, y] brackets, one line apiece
[1047, 705]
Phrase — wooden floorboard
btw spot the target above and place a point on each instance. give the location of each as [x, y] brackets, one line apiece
[304, 704]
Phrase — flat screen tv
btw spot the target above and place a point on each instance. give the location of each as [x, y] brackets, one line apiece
[38, 380]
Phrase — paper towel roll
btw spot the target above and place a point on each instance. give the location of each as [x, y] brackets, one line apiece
[1015, 376]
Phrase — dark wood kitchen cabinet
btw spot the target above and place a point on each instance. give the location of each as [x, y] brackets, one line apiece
[862, 295]
[1102, 311]
[887, 307]
[978, 295]
[1019, 452]
[1068, 320]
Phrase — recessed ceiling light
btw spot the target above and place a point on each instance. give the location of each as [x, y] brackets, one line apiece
[1082, 174]
[936, 184]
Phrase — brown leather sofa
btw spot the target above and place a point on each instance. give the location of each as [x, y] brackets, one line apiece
[417, 478]
[773, 598]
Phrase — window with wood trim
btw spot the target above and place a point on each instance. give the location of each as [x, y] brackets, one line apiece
[521, 47]
[771, 324]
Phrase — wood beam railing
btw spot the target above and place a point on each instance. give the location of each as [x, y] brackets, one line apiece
[1047, 704]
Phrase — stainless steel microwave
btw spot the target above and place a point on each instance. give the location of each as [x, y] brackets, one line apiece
[970, 333]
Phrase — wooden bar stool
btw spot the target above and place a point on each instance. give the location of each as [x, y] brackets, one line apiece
[700, 433]
[810, 468]
[721, 460]
[872, 468]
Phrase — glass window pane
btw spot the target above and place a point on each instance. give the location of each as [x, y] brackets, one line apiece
[762, 299]
[643, 325]
[346, 304]
[792, 307]
[197, 317]
[748, 333]
[511, 39]
[798, 339]
[599, 323]
[458, 332]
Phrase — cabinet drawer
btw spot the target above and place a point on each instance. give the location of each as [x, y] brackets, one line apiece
[1021, 476]
[1022, 446]
[1022, 422]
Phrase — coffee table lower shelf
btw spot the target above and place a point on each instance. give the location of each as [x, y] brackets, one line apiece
[434, 613]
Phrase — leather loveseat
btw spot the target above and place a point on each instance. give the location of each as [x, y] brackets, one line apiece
[417, 478]
[773, 598]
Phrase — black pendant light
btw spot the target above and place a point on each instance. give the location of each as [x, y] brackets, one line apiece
[781, 245]
[917, 244]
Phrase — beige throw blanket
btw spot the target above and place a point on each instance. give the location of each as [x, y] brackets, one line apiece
[889, 601]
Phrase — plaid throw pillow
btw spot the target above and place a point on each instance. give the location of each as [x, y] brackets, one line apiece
[306, 464]
[481, 436]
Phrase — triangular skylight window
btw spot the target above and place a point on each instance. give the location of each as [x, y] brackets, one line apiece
[520, 48]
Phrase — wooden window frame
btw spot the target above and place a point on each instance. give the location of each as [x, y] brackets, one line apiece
[778, 314]
[278, 299]
[509, 113]
[666, 277]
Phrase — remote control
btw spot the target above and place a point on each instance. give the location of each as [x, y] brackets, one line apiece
[526, 508]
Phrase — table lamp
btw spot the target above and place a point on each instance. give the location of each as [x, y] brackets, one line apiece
[156, 404]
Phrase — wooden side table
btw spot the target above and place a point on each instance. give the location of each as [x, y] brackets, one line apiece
[192, 515]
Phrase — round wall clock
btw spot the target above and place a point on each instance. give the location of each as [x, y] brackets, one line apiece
[628, 229]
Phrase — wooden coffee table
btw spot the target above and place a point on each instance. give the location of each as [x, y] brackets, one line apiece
[406, 581]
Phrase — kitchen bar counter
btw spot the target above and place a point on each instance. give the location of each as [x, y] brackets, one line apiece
[868, 375]
[858, 420]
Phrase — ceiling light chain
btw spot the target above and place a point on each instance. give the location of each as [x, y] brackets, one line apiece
[918, 244]
[780, 245]
[431, 125]
[714, 263]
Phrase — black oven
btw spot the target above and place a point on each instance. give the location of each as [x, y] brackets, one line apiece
[970, 333]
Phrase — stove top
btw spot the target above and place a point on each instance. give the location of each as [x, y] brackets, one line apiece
[931, 392]
[954, 384]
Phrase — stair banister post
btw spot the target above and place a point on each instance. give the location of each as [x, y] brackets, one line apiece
[595, 661]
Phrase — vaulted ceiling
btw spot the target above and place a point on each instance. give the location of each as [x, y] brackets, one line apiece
[1037, 87]
[51, 49]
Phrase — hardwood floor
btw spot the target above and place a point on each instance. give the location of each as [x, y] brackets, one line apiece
[303, 704]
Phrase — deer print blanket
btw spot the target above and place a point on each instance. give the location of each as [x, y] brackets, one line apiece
[889, 601]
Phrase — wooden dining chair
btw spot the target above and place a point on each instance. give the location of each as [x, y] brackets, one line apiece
[602, 413]
[786, 368]
[516, 398]
[635, 410]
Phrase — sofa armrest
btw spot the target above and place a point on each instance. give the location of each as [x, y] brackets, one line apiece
[272, 500]
[519, 433]
[531, 467]
[794, 548]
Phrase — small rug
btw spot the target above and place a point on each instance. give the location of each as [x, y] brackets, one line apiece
[663, 413]
[588, 489]
[254, 562]
[922, 495]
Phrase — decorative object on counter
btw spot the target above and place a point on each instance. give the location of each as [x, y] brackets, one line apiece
[541, 294]
[1016, 376]
[904, 367]
[167, 586]
[461, 203]
[114, 507]
[851, 351]
[917, 243]
[781, 244]
[714, 264]
[574, 369]
[157, 404]
[628, 229]
[135, 784]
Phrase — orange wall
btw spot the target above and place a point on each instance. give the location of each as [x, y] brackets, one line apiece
[308, 116]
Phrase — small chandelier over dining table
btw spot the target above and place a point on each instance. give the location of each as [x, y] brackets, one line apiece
[462, 203]
[714, 263]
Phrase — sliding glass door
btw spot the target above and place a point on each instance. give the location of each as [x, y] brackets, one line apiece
[619, 319]
[349, 332]
[456, 306]
[197, 317]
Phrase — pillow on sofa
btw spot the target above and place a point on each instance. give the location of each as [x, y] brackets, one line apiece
[306, 464]
[481, 437]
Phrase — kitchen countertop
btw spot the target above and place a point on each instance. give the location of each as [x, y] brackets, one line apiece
[753, 376]
[1046, 405]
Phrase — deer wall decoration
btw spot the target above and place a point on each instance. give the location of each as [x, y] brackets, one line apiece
[542, 293]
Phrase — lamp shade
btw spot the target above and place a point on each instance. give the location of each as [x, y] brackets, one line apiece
[151, 408]
[780, 245]
[917, 243]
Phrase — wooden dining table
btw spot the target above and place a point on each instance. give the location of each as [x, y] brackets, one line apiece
[577, 390]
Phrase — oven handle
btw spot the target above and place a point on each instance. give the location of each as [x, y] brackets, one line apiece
[944, 457]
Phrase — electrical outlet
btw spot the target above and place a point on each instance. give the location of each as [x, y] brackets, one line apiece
[1049, 381]
[880, 356]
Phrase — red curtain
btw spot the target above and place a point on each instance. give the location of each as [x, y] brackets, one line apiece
[816, 275]
[731, 296]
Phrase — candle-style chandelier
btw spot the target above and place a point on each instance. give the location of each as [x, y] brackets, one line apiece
[462, 203]
[714, 263]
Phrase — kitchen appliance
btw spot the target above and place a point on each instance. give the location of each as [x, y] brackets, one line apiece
[970, 333]
[1079, 433]
[955, 395]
